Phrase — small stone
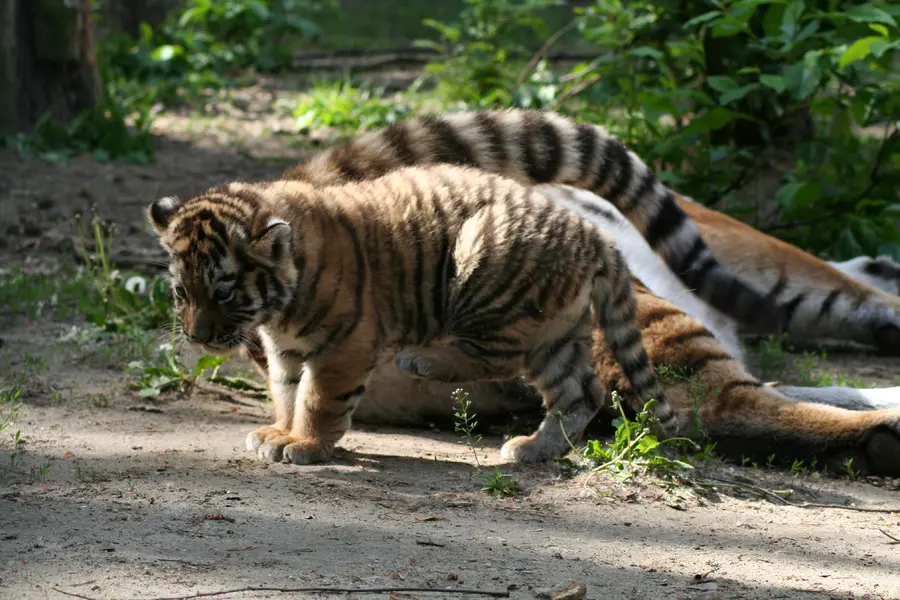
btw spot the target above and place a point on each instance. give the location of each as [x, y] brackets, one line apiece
[567, 590]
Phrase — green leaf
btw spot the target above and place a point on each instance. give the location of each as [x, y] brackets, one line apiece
[736, 94]
[775, 82]
[858, 50]
[879, 29]
[846, 246]
[870, 14]
[166, 53]
[791, 16]
[802, 79]
[646, 51]
[721, 83]
[206, 362]
[705, 17]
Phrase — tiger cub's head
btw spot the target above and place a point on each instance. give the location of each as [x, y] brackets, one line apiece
[230, 264]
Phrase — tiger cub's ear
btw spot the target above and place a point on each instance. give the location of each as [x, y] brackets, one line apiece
[160, 213]
[272, 242]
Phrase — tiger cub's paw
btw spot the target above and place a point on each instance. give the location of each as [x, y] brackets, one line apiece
[277, 445]
[528, 449]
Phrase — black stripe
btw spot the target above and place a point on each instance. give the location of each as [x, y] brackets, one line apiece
[828, 304]
[495, 145]
[448, 146]
[659, 315]
[632, 365]
[397, 137]
[790, 306]
[689, 335]
[597, 210]
[619, 154]
[541, 148]
[361, 277]
[586, 381]
[344, 158]
[568, 371]
[778, 287]
[632, 338]
[665, 223]
[262, 287]
[694, 253]
[359, 391]
[639, 197]
[586, 139]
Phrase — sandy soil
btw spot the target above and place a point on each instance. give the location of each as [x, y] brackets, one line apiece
[150, 498]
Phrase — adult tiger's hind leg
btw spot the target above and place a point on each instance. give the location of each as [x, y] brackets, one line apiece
[738, 410]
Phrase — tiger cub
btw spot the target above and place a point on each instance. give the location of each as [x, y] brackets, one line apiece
[453, 274]
[537, 147]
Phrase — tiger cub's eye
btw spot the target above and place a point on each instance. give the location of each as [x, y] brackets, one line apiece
[222, 296]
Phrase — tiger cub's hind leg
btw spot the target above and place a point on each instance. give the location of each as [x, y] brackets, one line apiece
[562, 370]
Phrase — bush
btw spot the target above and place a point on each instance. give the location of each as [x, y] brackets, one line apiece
[717, 95]
[197, 48]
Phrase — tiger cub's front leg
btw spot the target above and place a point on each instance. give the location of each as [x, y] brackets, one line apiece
[314, 404]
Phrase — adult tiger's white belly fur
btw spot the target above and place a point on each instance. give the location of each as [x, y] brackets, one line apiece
[644, 263]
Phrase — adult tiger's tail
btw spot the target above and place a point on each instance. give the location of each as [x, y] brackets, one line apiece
[542, 147]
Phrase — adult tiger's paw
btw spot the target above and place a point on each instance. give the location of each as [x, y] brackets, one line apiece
[277, 445]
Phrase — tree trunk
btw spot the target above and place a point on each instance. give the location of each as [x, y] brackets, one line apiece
[47, 61]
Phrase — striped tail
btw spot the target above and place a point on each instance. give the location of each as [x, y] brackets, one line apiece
[539, 148]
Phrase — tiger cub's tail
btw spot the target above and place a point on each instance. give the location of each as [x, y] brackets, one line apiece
[542, 147]
[615, 309]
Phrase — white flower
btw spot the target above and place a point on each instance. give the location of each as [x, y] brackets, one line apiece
[136, 285]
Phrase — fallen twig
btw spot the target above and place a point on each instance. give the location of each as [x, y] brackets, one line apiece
[429, 543]
[316, 590]
[771, 494]
[896, 540]
[745, 486]
[845, 507]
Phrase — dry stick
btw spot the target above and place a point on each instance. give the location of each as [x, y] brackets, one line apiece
[771, 494]
[542, 51]
[896, 539]
[315, 590]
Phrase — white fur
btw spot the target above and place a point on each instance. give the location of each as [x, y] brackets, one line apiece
[855, 268]
[844, 397]
[644, 262]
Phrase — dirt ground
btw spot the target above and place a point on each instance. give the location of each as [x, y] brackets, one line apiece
[159, 498]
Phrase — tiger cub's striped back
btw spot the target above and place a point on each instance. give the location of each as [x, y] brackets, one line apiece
[454, 274]
[542, 147]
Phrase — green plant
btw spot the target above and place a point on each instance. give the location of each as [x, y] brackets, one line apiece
[10, 402]
[477, 62]
[119, 304]
[635, 449]
[496, 482]
[852, 473]
[199, 46]
[168, 372]
[717, 92]
[341, 106]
